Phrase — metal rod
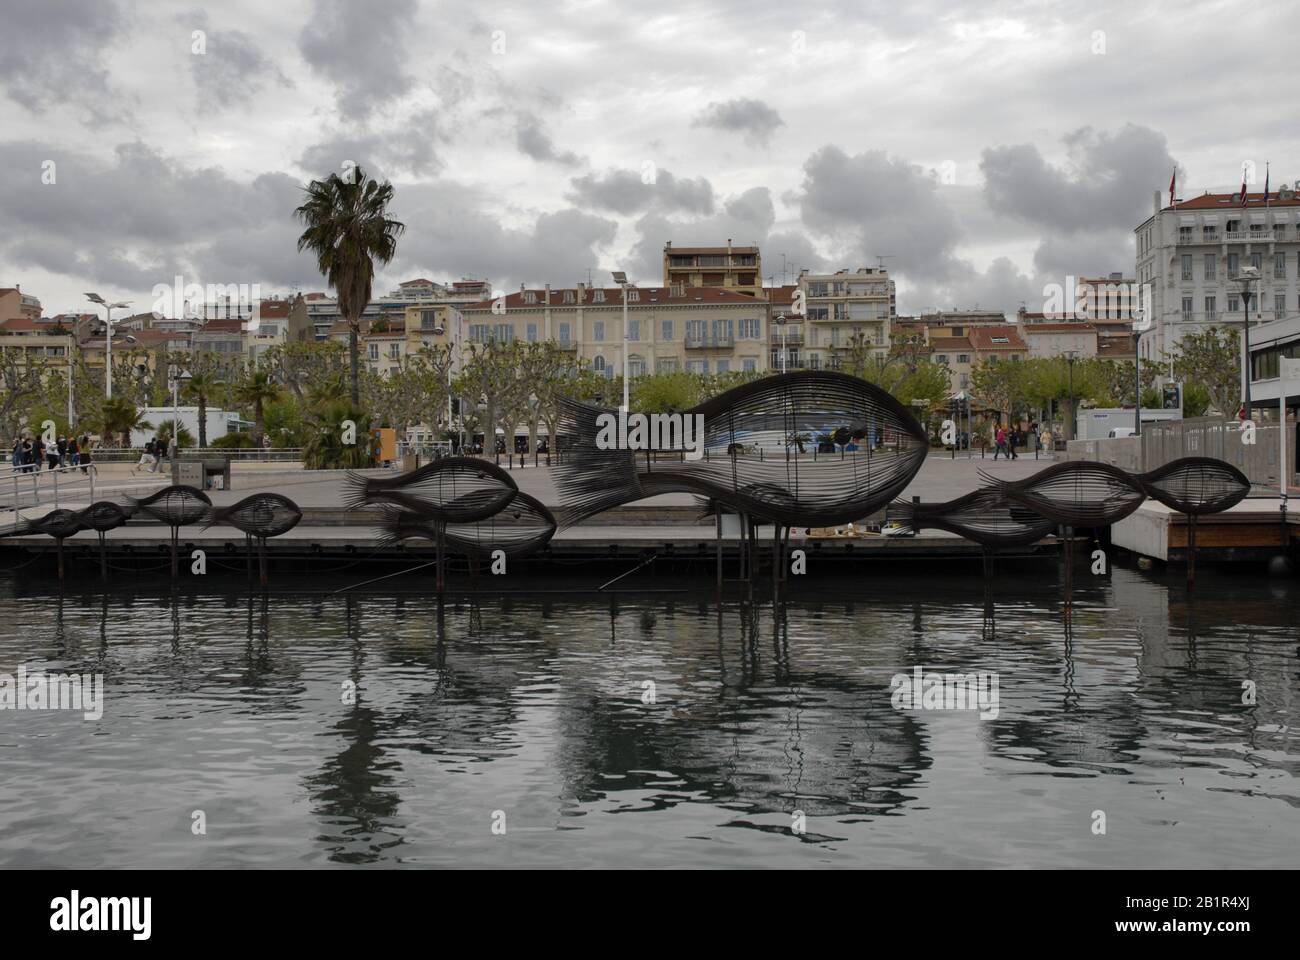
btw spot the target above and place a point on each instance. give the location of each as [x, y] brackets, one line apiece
[639, 566]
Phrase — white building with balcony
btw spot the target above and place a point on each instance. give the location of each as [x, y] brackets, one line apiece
[1191, 255]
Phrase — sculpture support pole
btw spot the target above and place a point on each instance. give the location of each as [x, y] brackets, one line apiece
[175, 536]
[717, 546]
[58, 546]
[248, 557]
[261, 560]
[103, 559]
[1191, 549]
[440, 557]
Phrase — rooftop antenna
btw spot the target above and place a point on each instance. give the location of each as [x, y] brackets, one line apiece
[881, 258]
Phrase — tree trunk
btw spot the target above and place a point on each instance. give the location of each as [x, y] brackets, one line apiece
[354, 361]
[203, 421]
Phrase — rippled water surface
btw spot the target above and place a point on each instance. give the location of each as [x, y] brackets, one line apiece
[530, 710]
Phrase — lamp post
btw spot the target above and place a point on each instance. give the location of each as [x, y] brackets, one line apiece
[1141, 324]
[1070, 357]
[780, 325]
[621, 279]
[1245, 278]
[108, 338]
[179, 377]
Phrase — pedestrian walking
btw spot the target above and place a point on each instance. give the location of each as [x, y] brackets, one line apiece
[74, 452]
[62, 446]
[84, 447]
[1046, 438]
[16, 460]
[146, 457]
[1000, 442]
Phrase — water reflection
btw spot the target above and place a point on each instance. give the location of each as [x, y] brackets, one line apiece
[395, 724]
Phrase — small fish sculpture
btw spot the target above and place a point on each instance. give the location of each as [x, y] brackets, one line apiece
[452, 490]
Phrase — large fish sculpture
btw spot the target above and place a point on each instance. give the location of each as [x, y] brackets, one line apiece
[176, 506]
[741, 448]
[261, 515]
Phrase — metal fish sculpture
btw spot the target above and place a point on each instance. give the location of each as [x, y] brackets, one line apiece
[452, 490]
[741, 449]
[261, 515]
[523, 527]
[1196, 485]
[1075, 493]
[57, 524]
[102, 516]
[985, 516]
[176, 506]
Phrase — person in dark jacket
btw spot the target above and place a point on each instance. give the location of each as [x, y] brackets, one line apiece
[62, 447]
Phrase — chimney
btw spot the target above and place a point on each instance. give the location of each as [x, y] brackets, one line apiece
[1156, 201]
[521, 289]
[582, 292]
[728, 246]
[668, 245]
[547, 299]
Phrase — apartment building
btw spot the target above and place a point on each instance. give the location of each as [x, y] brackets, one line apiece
[843, 306]
[964, 347]
[696, 329]
[1046, 340]
[1190, 255]
[786, 329]
[323, 311]
[16, 305]
[25, 340]
[739, 269]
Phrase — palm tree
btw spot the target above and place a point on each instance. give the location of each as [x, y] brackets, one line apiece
[348, 229]
[201, 385]
[256, 389]
[120, 415]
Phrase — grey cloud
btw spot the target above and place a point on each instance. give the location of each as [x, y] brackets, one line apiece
[754, 118]
[451, 232]
[873, 205]
[361, 50]
[745, 218]
[534, 141]
[627, 192]
[412, 150]
[232, 69]
[52, 52]
[142, 217]
[1107, 184]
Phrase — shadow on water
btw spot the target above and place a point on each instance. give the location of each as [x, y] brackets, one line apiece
[397, 709]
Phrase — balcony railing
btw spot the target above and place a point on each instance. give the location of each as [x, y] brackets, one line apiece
[792, 336]
[567, 344]
[723, 341]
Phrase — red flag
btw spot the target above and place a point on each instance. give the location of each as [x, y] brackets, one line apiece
[1266, 186]
[1172, 180]
[1243, 188]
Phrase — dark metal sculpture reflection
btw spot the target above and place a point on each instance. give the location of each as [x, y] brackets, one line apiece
[177, 506]
[985, 516]
[259, 516]
[1075, 493]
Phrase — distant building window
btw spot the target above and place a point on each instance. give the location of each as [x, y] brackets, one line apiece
[565, 336]
[749, 328]
[963, 358]
[724, 366]
[1234, 264]
[479, 332]
[1187, 266]
[634, 329]
[1211, 261]
[532, 333]
[598, 296]
[503, 332]
[749, 365]
[598, 331]
[666, 366]
[1211, 308]
[665, 330]
[633, 296]
[941, 358]
[569, 297]
[374, 351]
[1187, 307]
[530, 296]
[598, 363]
[1279, 266]
[394, 351]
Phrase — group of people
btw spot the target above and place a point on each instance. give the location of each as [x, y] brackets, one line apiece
[31, 453]
[1006, 441]
[151, 457]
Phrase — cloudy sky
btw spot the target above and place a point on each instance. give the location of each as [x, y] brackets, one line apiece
[982, 151]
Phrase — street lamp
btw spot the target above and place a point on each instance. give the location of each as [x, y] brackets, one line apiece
[108, 338]
[621, 279]
[780, 325]
[179, 377]
[1141, 325]
[1070, 357]
[1245, 278]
